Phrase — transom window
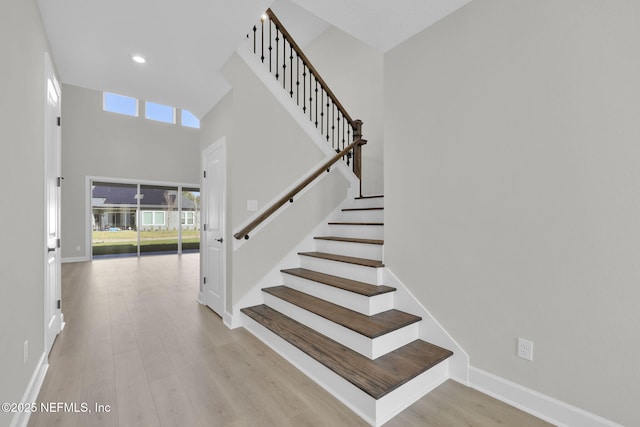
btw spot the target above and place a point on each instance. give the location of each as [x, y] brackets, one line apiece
[129, 106]
[189, 120]
[159, 112]
[120, 104]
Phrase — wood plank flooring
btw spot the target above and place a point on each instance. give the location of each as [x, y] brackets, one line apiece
[136, 339]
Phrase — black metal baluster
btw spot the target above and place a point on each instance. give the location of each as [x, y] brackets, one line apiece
[255, 29]
[297, 80]
[327, 131]
[284, 63]
[333, 126]
[304, 87]
[291, 69]
[270, 47]
[310, 96]
[322, 112]
[338, 129]
[316, 102]
[277, 52]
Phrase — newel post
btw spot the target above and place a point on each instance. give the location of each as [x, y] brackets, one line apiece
[357, 151]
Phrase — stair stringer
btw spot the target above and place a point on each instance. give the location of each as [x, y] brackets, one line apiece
[375, 412]
[255, 295]
[430, 329]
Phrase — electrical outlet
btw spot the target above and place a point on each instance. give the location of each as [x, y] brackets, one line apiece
[525, 349]
[25, 351]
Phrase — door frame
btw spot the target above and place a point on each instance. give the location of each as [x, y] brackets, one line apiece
[88, 216]
[219, 144]
[49, 122]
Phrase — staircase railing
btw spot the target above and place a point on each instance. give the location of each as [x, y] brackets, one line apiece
[244, 233]
[277, 50]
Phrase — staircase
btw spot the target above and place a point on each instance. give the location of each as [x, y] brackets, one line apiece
[335, 321]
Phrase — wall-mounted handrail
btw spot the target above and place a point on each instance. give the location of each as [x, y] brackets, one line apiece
[244, 233]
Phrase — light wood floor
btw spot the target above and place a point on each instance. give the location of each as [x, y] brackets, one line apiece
[137, 340]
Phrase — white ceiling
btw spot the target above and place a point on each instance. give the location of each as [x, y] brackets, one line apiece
[187, 42]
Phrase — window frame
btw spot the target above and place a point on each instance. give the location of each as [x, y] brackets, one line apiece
[106, 94]
[154, 215]
[182, 123]
[173, 112]
[188, 218]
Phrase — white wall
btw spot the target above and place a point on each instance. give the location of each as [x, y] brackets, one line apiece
[513, 190]
[99, 143]
[22, 47]
[267, 151]
[354, 72]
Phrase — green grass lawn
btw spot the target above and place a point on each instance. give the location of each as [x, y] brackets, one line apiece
[122, 242]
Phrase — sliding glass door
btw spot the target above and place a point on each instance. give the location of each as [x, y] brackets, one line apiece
[114, 230]
[190, 219]
[159, 219]
[130, 219]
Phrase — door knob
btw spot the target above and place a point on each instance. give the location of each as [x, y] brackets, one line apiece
[220, 240]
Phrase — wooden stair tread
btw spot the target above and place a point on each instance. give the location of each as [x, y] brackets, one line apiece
[362, 209]
[369, 197]
[356, 223]
[351, 240]
[354, 286]
[369, 326]
[375, 377]
[374, 263]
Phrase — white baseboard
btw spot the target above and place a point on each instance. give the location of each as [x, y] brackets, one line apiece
[537, 404]
[21, 419]
[228, 320]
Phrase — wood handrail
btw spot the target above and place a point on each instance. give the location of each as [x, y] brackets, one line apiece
[306, 61]
[244, 233]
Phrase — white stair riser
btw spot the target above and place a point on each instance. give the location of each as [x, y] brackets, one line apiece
[359, 250]
[377, 202]
[406, 395]
[341, 269]
[350, 395]
[362, 216]
[371, 348]
[356, 302]
[344, 336]
[357, 231]
[375, 412]
[394, 340]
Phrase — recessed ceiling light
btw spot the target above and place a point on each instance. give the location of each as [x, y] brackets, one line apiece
[139, 59]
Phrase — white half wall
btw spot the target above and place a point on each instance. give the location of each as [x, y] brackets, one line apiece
[267, 151]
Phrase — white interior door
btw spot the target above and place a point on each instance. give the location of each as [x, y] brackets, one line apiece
[52, 312]
[213, 214]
